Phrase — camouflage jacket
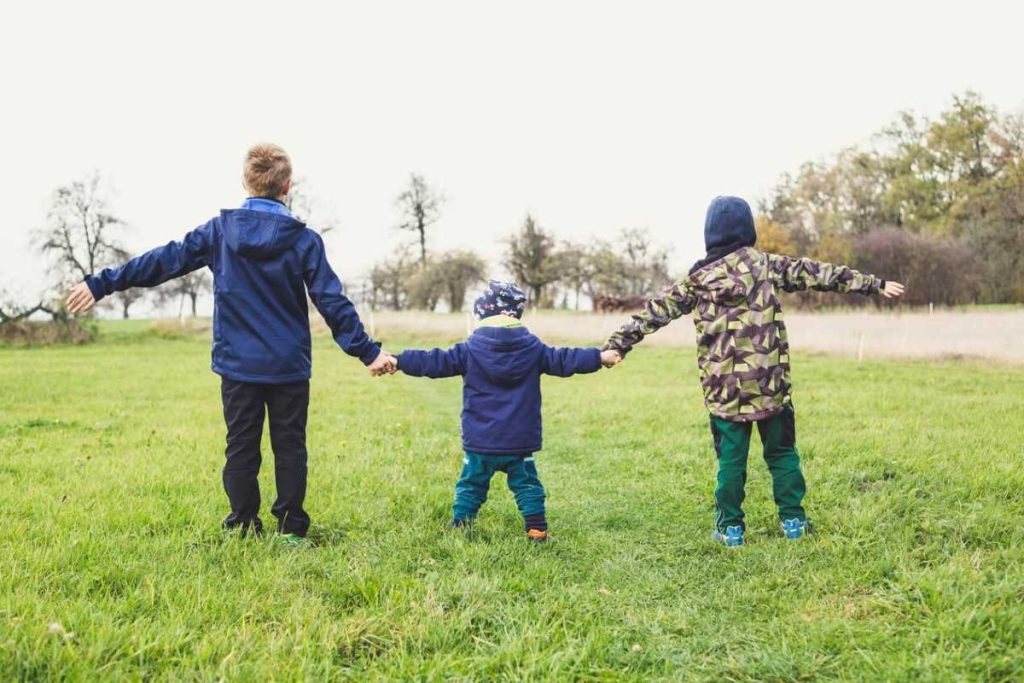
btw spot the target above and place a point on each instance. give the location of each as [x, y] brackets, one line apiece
[742, 350]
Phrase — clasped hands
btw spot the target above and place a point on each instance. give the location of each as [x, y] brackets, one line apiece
[383, 364]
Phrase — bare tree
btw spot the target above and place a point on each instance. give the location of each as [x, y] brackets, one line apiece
[129, 298]
[420, 206]
[389, 280]
[81, 231]
[11, 312]
[646, 265]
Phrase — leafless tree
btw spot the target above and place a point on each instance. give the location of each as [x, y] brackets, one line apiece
[420, 206]
[81, 232]
[11, 311]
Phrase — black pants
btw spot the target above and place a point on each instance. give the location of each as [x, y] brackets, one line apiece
[286, 405]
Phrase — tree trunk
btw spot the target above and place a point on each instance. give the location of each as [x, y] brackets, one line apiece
[124, 310]
[193, 296]
[423, 243]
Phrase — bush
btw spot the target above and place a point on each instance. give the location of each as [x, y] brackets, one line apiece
[934, 270]
[34, 333]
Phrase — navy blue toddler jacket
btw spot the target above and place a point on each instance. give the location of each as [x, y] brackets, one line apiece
[501, 369]
[262, 264]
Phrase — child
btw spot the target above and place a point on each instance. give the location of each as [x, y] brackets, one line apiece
[501, 364]
[743, 354]
[263, 263]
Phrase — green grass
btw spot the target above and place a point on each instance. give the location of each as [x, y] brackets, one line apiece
[110, 490]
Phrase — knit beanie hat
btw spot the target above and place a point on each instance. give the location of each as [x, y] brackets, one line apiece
[500, 297]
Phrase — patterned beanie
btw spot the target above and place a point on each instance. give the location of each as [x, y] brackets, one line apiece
[498, 298]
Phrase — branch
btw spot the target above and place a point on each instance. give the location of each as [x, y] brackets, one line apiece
[15, 317]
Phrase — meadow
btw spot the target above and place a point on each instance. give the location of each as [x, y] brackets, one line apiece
[113, 566]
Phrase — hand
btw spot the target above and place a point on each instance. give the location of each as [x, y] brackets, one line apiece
[892, 289]
[80, 299]
[610, 358]
[384, 364]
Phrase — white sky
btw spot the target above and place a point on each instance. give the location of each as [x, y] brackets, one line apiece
[595, 116]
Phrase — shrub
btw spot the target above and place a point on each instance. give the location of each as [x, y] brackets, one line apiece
[36, 333]
[934, 270]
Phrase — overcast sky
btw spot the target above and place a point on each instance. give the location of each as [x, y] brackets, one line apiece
[594, 116]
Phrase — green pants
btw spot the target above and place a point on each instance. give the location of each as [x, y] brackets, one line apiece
[475, 480]
[732, 443]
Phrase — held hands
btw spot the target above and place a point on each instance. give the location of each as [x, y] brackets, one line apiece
[384, 364]
[610, 358]
[80, 298]
[892, 289]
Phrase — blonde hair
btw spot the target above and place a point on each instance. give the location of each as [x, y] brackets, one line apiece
[267, 170]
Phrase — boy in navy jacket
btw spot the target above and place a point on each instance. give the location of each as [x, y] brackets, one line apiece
[501, 364]
[263, 263]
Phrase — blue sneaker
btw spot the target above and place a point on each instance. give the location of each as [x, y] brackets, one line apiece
[796, 528]
[732, 538]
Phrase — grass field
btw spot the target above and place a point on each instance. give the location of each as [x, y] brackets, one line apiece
[112, 565]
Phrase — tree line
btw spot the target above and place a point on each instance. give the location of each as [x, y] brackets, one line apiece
[554, 273]
[937, 204]
[82, 235]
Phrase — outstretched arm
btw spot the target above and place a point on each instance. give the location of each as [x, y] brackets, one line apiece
[156, 266]
[674, 302]
[798, 274]
[339, 312]
[565, 361]
[433, 363]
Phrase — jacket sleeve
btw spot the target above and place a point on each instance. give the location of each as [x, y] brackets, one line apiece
[798, 274]
[337, 309]
[674, 302]
[156, 266]
[434, 363]
[565, 362]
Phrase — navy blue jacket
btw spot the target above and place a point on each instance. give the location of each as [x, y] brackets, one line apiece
[263, 263]
[501, 369]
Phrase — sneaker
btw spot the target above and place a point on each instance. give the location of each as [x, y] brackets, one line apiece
[731, 538]
[796, 528]
[536, 535]
[291, 541]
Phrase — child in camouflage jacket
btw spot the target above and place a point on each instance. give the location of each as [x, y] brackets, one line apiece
[743, 354]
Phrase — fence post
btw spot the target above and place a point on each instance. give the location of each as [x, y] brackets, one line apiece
[860, 348]
[469, 324]
[931, 308]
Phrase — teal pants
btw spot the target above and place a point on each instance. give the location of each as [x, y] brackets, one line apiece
[475, 480]
[732, 444]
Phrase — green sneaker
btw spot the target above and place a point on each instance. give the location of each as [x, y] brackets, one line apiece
[291, 541]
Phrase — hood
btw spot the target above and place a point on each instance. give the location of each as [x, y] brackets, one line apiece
[506, 355]
[729, 222]
[259, 235]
